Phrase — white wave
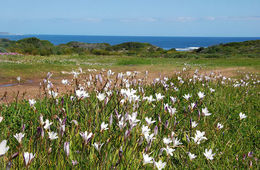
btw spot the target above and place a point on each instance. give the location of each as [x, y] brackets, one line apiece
[187, 49]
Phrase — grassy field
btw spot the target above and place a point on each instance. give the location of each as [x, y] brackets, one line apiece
[125, 123]
[30, 67]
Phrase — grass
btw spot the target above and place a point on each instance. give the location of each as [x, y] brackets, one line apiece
[28, 66]
[235, 145]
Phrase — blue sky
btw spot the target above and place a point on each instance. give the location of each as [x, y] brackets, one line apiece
[132, 17]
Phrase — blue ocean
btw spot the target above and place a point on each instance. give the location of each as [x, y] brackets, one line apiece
[180, 43]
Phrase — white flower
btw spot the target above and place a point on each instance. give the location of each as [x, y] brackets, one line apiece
[32, 102]
[28, 157]
[159, 96]
[122, 123]
[98, 146]
[172, 111]
[208, 154]
[104, 126]
[169, 150]
[149, 138]
[160, 165]
[173, 99]
[242, 116]
[206, 112]
[147, 159]
[53, 93]
[167, 141]
[192, 156]
[132, 119]
[192, 105]
[219, 126]
[86, 136]
[65, 81]
[53, 135]
[145, 130]
[81, 94]
[19, 137]
[149, 121]
[101, 96]
[212, 90]
[194, 124]
[18, 78]
[47, 124]
[187, 96]
[3, 147]
[201, 95]
[176, 142]
[1, 119]
[149, 99]
[67, 148]
[199, 136]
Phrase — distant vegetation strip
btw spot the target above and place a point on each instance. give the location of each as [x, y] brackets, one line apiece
[35, 46]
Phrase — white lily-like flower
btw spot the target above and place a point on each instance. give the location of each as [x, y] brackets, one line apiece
[187, 96]
[169, 150]
[150, 99]
[173, 99]
[212, 90]
[47, 124]
[101, 96]
[53, 135]
[145, 130]
[28, 157]
[18, 78]
[194, 124]
[159, 96]
[3, 147]
[149, 137]
[167, 141]
[219, 126]
[104, 126]
[172, 111]
[121, 123]
[65, 81]
[98, 146]
[81, 94]
[206, 112]
[53, 93]
[149, 121]
[132, 119]
[32, 102]
[201, 95]
[19, 137]
[176, 142]
[191, 156]
[147, 159]
[86, 136]
[242, 116]
[1, 119]
[199, 136]
[160, 165]
[208, 154]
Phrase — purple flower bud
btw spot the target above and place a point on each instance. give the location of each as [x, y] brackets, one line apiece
[67, 148]
[250, 154]
[155, 130]
[120, 153]
[100, 78]
[111, 120]
[166, 124]
[188, 139]
[23, 128]
[74, 162]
